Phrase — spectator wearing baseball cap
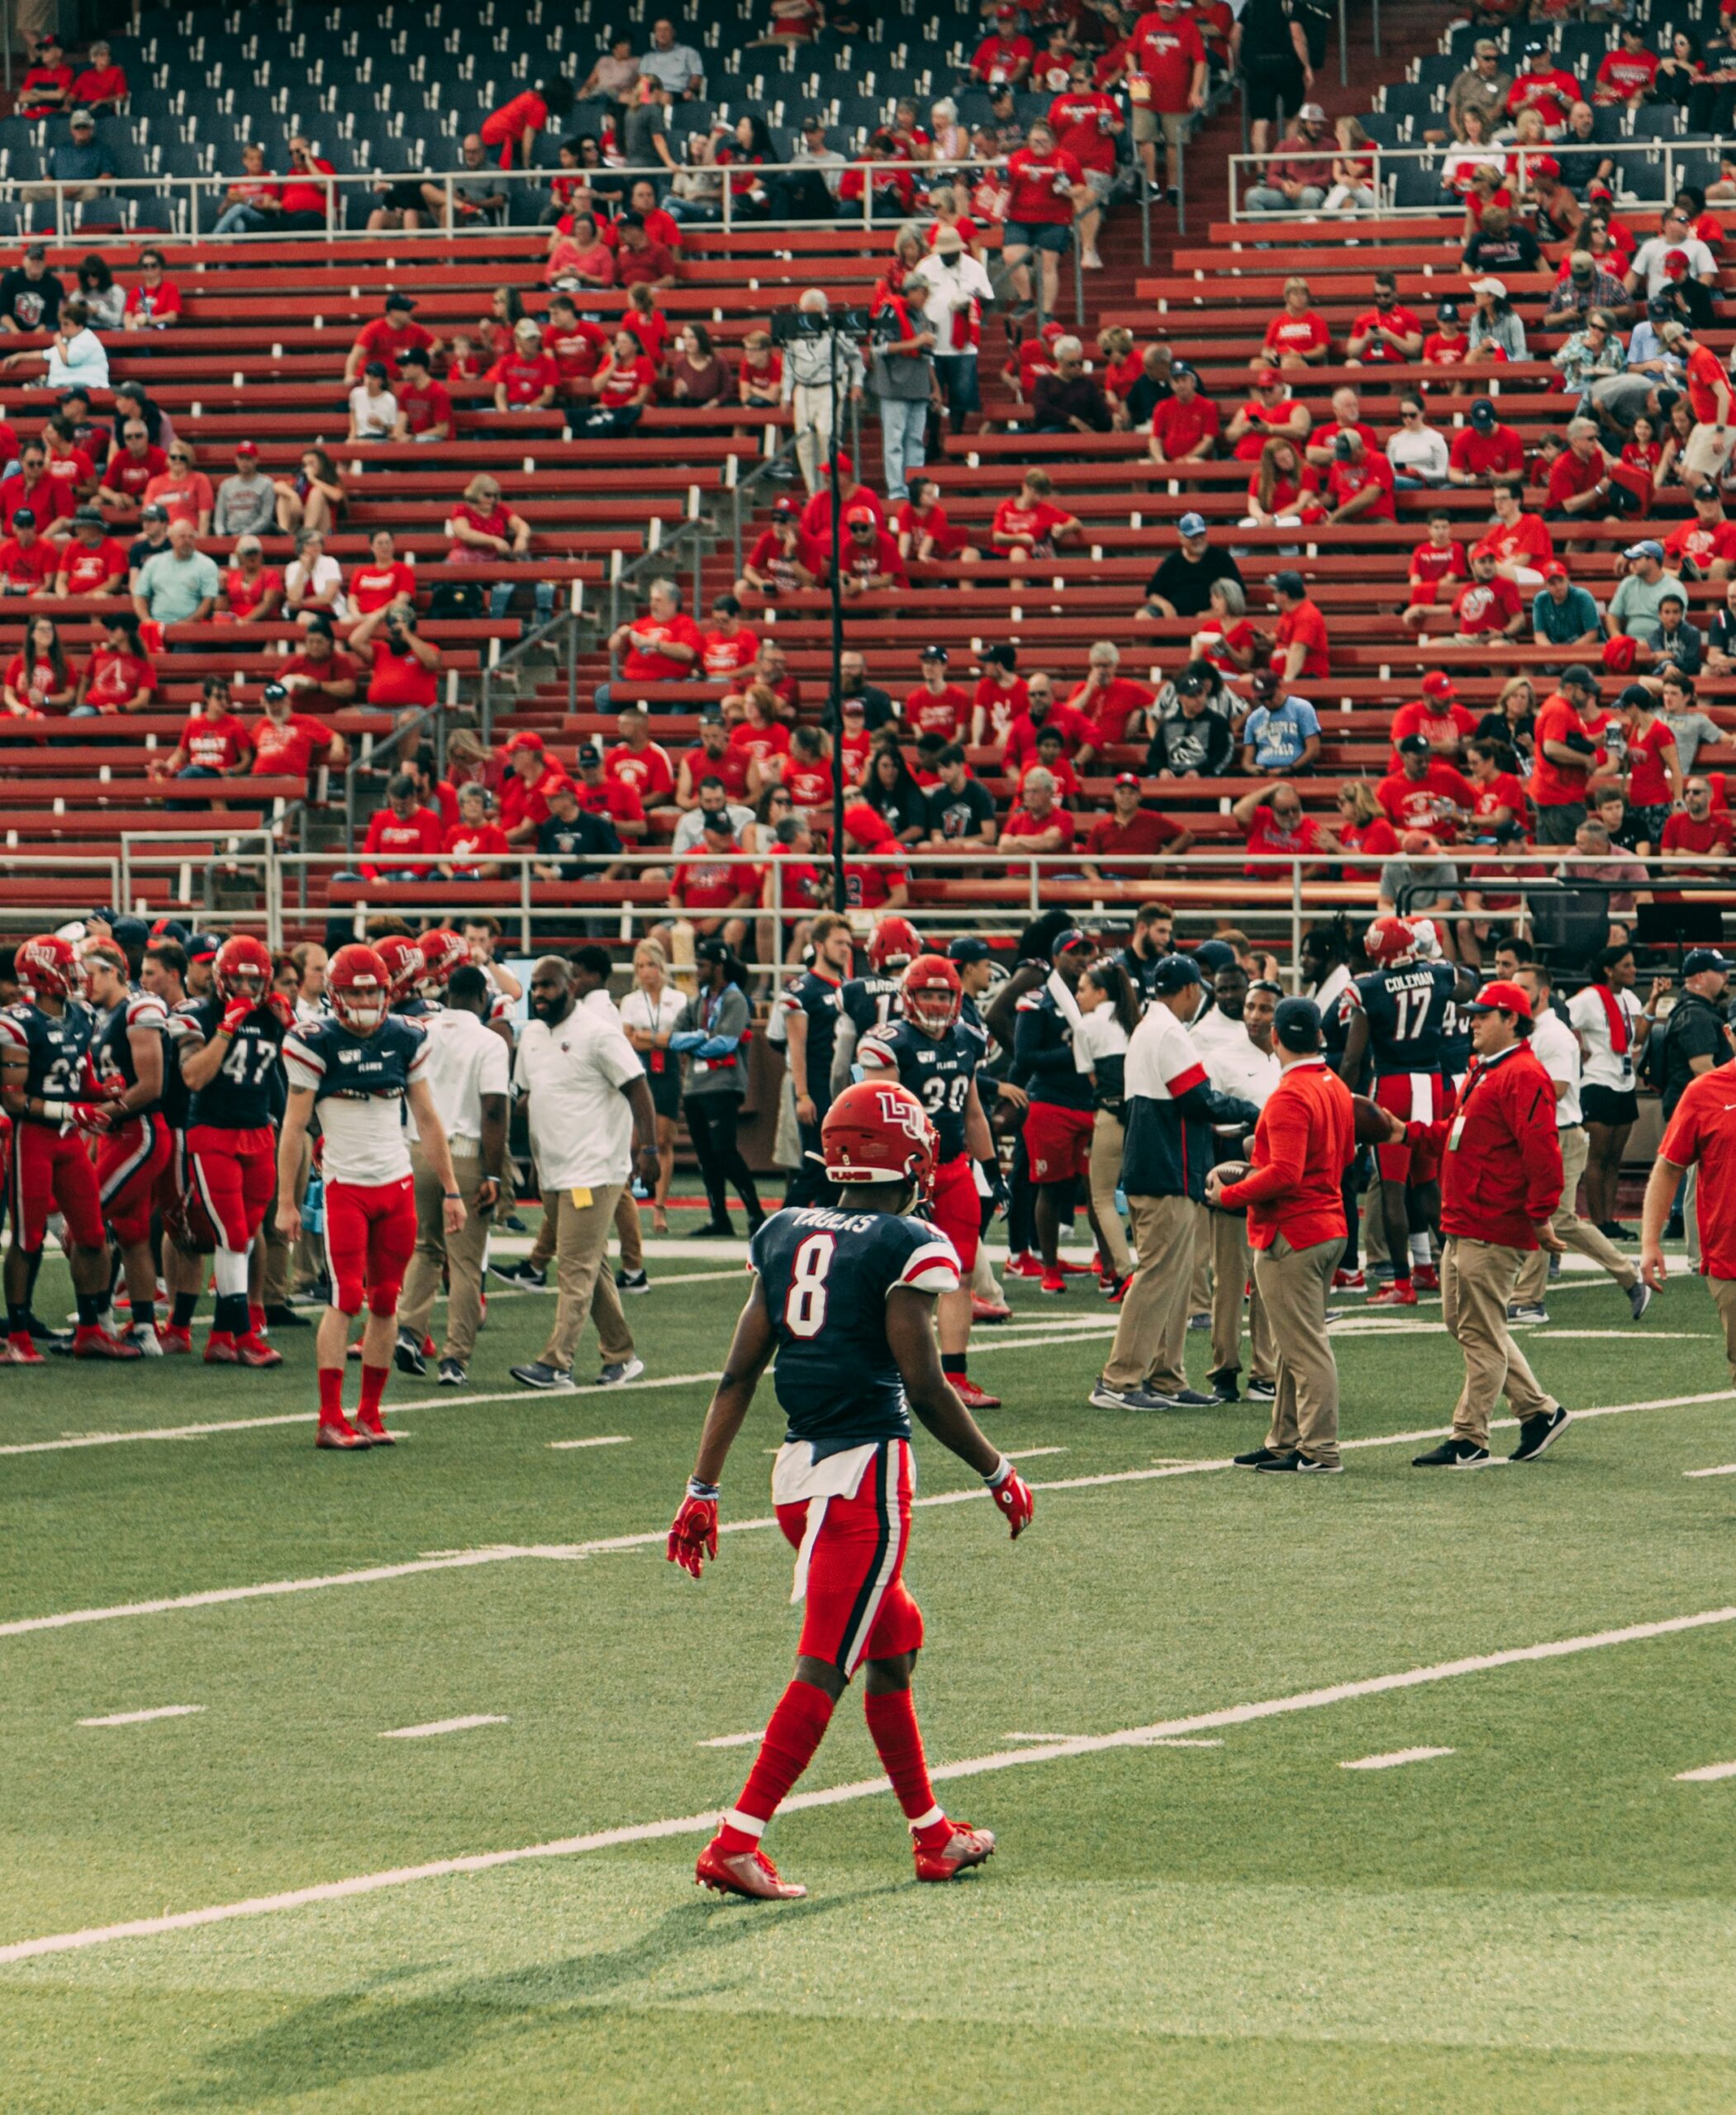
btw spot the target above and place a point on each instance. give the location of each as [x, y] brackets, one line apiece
[91, 562]
[1564, 615]
[1483, 448]
[1180, 584]
[1634, 606]
[1298, 177]
[1271, 413]
[1183, 421]
[246, 502]
[524, 797]
[1495, 332]
[1481, 87]
[388, 338]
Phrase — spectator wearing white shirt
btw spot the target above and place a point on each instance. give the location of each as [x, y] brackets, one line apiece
[373, 407]
[649, 1014]
[313, 583]
[469, 1071]
[1612, 1026]
[1696, 283]
[1556, 1047]
[952, 285]
[1417, 453]
[587, 1092]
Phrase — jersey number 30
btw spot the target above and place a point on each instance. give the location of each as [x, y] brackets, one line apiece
[804, 1305]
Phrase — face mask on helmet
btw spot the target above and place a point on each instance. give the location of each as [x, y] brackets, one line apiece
[242, 969]
[358, 987]
[932, 994]
[47, 964]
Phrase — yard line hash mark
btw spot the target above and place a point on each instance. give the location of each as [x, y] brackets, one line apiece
[444, 1726]
[1711, 1774]
[649, 1832]
[1396, 1759]
[140, 1717]
[733, 1740]
[613, 1439]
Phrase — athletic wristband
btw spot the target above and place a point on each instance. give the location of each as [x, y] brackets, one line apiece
[696, 1488]
[55, 1112]
[998, 1475]
[452, 1196]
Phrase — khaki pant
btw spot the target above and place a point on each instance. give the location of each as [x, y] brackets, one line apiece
[1107, 1136]
[627, 1226]
[288, 1264]
[1199, 1280]
[1706, 455]
[1724, 1298]
[461, 1255]
[811, 410]
[542, 1249]
[1230, 1259]
[1477, 1278]
[1293, 1283]
[1579, 1235]
[585, 1284]
[1152, 1334]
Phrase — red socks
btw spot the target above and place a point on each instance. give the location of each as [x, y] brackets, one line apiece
[331, 1394]
[891, 1721]
[373, 1387]
[797, 1728]
[255, 1321]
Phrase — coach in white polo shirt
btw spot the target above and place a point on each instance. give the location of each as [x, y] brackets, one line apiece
[469, 1068]
[1239, 1062]
[588, 1091]
[1556, 1049]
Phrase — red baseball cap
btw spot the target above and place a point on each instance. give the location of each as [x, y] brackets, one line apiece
[1128, 778]
[785, 507]
[1501, 996]
[1546, 165]
[525, 738]
[1437, 683]
[1555, 570]
[247, 448]
[1266, 377]
[867, 826]
[854, 516]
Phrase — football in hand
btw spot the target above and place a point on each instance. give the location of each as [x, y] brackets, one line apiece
[1229, 1171]
[1371, 1128]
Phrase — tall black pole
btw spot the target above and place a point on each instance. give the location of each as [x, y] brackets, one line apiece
[839, 885]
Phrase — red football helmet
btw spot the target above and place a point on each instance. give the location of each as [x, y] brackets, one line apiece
[46, 963]
[894, 945]
[1387, 941]
[404, 962]
[932, 994]
[443, 952]
[242, 969]
[877, 1131]
[359, 988]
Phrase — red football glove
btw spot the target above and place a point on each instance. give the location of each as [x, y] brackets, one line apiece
[234, 1014]
[1013, 1496]
[91, 1116]
[280, 1010]
[694, 1535]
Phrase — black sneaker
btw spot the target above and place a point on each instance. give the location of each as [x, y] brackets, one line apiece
[1256, 1459]
[631, 1282]
[407, 1358]
[285, 1318]
[1537, 1433]
[1186, 1399]
[1522, 1310]
[1295, 1462]
[713, 1230]
[1224, 1388]
[1453, 1454]
[452, 1373]
[1262, 1390]
[1675, 1228]
[1639, 1298]
[1614, 1230]
[524, 1272]
[536, 1374]
[512, 1224]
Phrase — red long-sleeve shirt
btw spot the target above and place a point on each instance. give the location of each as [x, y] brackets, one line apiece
[1499, 1150]
[1304, 1140]
[394, 840]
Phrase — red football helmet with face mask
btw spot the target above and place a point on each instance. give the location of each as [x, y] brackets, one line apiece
[242, 969]
[47, 963]
[443, 952]
[405, 963]
[1389, 941]
[877, 1131]
[895, 944]
[932, 994]
[359, 988]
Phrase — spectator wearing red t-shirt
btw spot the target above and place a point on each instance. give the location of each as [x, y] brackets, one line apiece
[1487, 606]
[1031, 525]
[514, 127]
[1003, 58]
[1521, 544]
[91, 562]
[399, 832]
[424, 404]
[1439, 560]
[1625, 76]
[1484, 449]
[1562, 753]
[119, 675]
[729, 645]
[526, 379]
[131, 468]
[1386, 333]
[601, 795]
[1358, 481]
[1167, 55]
[1271, 412]
[304, 201]
[319, 675]
[869, 562]
[524, 795]
[1113, 708]
[474, 846]
[1424, 793]
[1185, 425]
[1700, 829]
[1085, 123]
[1296, 337]
[28, 562]
[623, 388]
[638, 761]
[406, 667]
[389, 339]
[214, 743]
[937, 706]
[1124, 843]
[1443, 723]
[1702, 549]
[1276, 833]
[1545, 88]
[1019, 749]
[287, 743]
[640, 262]
[1047, 190]
[380, 578]
[252, 590]
[1301, 648]
[1038, 824]
[714, 759]
[663, 646]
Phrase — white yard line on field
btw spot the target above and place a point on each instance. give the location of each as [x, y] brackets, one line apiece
[444, 1726]
[140, 1717]
[1395, 1760]
[702, 1824]
[1729, 1469]
[568, 1553]
[1713, 1773]
[611, 1439]
[733, 1740]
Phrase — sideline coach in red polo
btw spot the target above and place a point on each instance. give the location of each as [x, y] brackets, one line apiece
[1293, 1195]
[1500, 1184]
[1702, 1134]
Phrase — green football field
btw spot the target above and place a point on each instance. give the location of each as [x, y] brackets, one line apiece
[1152, 1699]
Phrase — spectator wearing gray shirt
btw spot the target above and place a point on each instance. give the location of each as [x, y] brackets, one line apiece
[79, 162]
[1635, 604]
[180, 585]
[1690, 728]
[246, 503]
[676, 67]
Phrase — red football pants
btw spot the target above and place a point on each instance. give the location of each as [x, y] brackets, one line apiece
[233, 1175]
[52, 1170]
[857, 1606]
[370, 1237]
[130, 1163]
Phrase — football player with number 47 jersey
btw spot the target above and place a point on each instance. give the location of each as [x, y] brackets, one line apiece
[843, 1297]
[933, 1054]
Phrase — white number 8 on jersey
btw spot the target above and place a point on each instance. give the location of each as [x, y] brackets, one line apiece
[804, 1305]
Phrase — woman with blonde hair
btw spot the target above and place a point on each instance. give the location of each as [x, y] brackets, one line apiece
[1353, 170]
[649, 1011]
[1283, 488]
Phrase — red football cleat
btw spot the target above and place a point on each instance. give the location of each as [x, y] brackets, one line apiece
[989, 1310]
[965, 1847]
[253, 1351]
[374, 1426]
[219, 1348]
[1348, 1281]
[1052, 1281]
[748, 1873]
[1393, 1296]
[339, 1433]
[175, 1342]
[21, 1351]
[972, 1397]
[1078, 1270]
[1426, 1278]
[1114, 1290]
[1096, 1267]
[1023, 1266]
[90, 1341]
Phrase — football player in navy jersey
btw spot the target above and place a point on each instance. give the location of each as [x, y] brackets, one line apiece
[974, 960]
[164, 974]
[229, 1046]
[128, 1055]
[869, 1002]
[407, 969]
[812, 1006]
[1393, 1018]
[46, 1084]
[360, 1067]
[932, 1052]
[844, 1296]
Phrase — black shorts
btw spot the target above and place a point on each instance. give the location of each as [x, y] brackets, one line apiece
[1267, 84]
[666, 1086]
[1613, 1106]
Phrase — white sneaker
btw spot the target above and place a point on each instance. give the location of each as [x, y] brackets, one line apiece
[623, 1369]
[147, 1341]
[1090, 262]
